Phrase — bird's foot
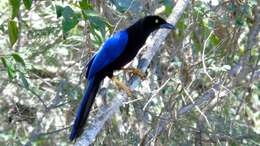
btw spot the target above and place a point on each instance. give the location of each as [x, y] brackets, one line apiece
[122, 86]
[136, 72]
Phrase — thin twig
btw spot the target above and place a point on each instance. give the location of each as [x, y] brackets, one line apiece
[192, 101]
[203, 56]
[155, 93]
[121, 17]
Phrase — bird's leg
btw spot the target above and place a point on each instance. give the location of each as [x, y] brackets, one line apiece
[122, 86]
[135, 71]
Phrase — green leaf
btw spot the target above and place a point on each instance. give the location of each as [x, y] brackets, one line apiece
[15, 4]
[91, 13]
[168, 6]
[197, 45]
[93, 16]
[181, 25]
[255, 51]
[232, 7]
[18, 58]
[9, 68]
[98, 25]
[214, 40]
[24, 81]
[12, 32]
[59, 10]
[97, 39]
[239, 21]
[27, 4]
[70, 20]
[85, 4]
[97, 21]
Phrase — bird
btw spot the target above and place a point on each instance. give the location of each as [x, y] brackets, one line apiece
[114, 54]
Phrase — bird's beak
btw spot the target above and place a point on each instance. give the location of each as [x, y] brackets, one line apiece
[167, 26]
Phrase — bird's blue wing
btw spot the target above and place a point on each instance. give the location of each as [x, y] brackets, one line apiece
[89, 65]
[111, 49]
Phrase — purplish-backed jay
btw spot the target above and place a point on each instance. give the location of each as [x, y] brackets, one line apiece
[116, 52]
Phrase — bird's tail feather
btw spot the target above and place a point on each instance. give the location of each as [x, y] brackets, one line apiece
[85, 107]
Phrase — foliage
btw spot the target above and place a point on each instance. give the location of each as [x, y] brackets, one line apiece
[44, 46]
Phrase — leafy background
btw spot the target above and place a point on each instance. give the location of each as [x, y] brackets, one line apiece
[44, 46]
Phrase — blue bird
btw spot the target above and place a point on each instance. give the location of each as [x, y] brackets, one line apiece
[115, 53]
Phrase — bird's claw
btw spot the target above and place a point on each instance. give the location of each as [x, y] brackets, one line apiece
[136, 72]
[122, 86]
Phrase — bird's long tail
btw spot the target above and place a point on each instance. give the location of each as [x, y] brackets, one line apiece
[85, 107]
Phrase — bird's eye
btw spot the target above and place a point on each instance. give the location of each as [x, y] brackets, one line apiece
[156, 21]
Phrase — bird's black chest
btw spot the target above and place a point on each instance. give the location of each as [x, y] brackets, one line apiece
[132, 48]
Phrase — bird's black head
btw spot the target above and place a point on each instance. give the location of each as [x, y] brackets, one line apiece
[152, 23]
